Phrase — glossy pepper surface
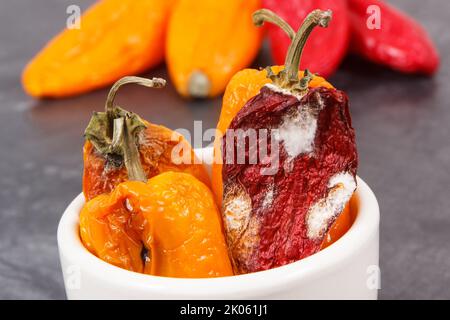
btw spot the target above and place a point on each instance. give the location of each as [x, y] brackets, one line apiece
[208, 41]
[159, 148]
[274, 219]
[398, 41]
[116, 38]
[325, 48]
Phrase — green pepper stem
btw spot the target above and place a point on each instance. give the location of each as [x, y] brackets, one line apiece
[315, 18]
[288, 77]
[265, 15]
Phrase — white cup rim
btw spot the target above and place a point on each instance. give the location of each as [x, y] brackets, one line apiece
[364, 227]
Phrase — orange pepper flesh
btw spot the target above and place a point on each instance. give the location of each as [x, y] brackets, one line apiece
[116, 38]
[339, 227]
[155, 147]
[215, 38]
[173, 215]
[242, 87]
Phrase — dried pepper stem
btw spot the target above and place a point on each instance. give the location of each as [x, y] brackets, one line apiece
[114, 132]
[123, 135]
[315, 18]
[109, 106]
[288, 78]
[266, 15]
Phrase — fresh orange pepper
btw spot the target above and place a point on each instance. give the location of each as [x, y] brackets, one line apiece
[242, 87]
[208, 41]
[116, 38]
[169, 226]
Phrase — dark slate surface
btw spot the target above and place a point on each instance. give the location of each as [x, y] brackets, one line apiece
[402, 128]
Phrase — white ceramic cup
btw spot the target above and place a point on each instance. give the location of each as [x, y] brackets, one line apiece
[348, 269]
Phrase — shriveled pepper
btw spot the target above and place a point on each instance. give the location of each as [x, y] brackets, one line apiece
[116, 38]
[208, 41]
[278, 218]
[166, 226]
[398, 41]
[169, 226]
[159, 148]
[325, 49]
[242, 87]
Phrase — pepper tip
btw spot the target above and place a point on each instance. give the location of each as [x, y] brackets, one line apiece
[199, 85]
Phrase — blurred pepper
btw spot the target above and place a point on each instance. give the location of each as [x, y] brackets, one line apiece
[398, 42]
[325, 49]
[208, 41]
[159, 148]
[116, 38]
[274, 219]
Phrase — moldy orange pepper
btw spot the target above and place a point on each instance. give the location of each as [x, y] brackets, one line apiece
[169, 226]
[245, 85]
[160, 149]
[116, 38]
[208, 41]
[400, 43]
[166, 226]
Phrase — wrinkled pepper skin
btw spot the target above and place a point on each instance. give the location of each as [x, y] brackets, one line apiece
[173, 216]
[156, 144]
[273, 220]
[325, 48]
[242, 87]
[116, 38]
[400, 43]
[208, 42]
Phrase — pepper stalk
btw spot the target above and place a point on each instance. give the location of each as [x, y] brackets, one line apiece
[265, 15]
[288, 77]
[114, 132]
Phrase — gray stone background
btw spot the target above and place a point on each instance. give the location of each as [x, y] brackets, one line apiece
[402, 125]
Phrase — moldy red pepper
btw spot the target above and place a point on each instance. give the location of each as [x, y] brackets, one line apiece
[275, 218]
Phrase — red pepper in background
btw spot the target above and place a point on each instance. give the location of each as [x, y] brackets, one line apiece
[325, 48]
[400, 43]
